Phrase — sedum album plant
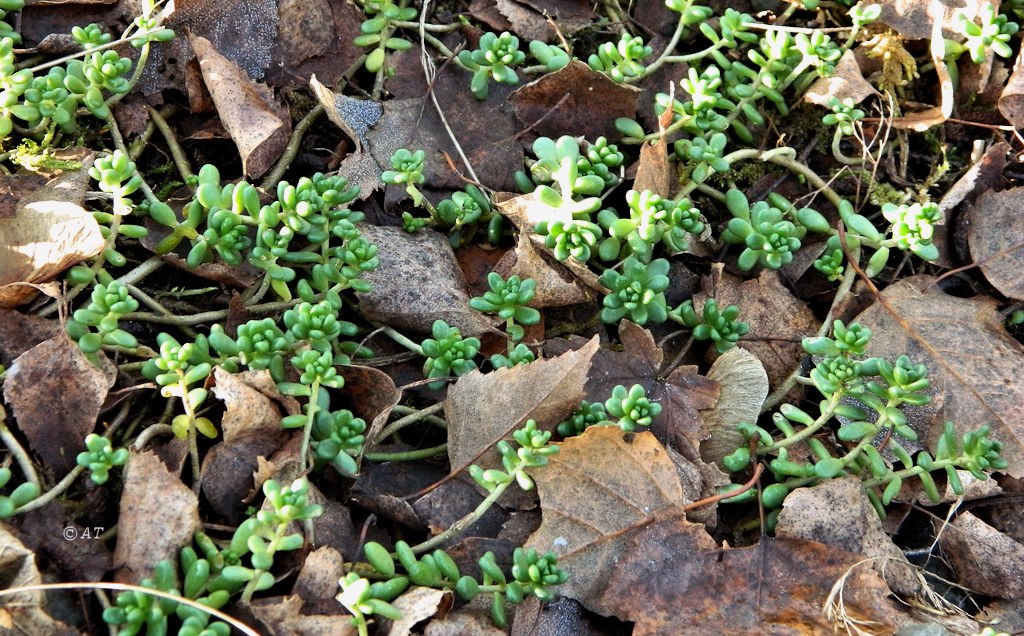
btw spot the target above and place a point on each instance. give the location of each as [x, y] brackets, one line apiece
[865, 397]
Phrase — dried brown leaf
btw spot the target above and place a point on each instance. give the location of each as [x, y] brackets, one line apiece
[242, 30]
[355, 116]
[418, 604]
[539, 19]
[654, 171]
[602, 489]
[743, 388]
[486, 130]
[49, 232]
[283, 616]
[670, 584]
[252, 402]
[682, 393]
[417, 282]
[158, 516]
[20, 332]
[482, 409]
[913, 19]
[984, 559]
[257, 125]
[56, 395]
[556, 286]
[577, 99]
[228, 467]
[973, 363]
[329, 26]
[845, 82]
[525, 211]
[838, 513]
[22, 612]
[318, 578]
[996, 238]
[778, 320]
[1011, 101]
[370, 394]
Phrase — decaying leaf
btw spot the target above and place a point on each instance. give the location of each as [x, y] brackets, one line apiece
[242, 30]
[56, 395]
[669, 584]
[158, 516]
[598, 494]
[838, 513]
[20, 332]
[778, 320]
[484, 408]
[355, 116]
[318, 578]
[252, 400]
[556, 286]
[973, 363]
[370, 394]
[682, 393]
[984, 559]
[283, 616]
[486, 130]
[845, 82]
[418, 604]
[258, 127]
[418, 281]
[525, 211]
[577, 99]
[538, 19]
[996, 238]
[48, 232]
[654, 172]
[743, 386]
[1011, 101]
[22, 612]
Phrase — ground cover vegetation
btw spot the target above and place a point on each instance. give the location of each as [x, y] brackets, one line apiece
[561, 317]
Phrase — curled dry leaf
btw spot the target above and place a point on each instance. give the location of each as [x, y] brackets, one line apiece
[56, 395]
[1011, 101]
[838, 513]
[973, 363]
[370, 394]
[418, 604]
[257, 125]
[984, 559]
[48, 232]
[525, 212]
[556, 287]
[598, 494]
[418, 281]
[743, 386]
[252, 403]
[482, 409]
[355, 116]
[158, 516]
[996, 238]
